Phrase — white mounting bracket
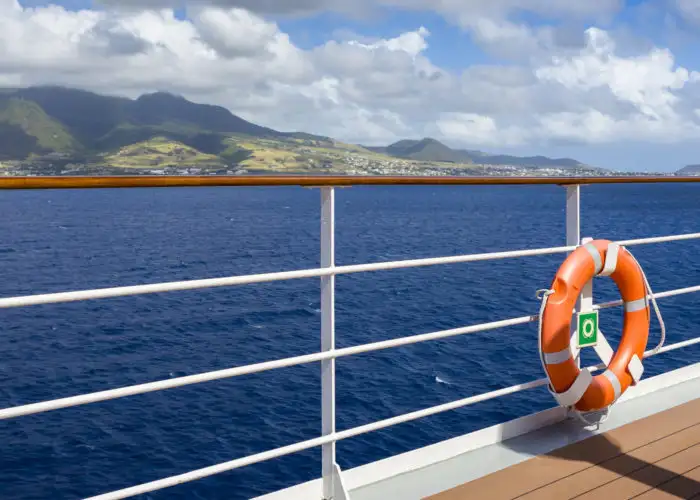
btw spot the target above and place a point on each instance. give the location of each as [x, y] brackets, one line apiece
[603, 349]
[636, 369]
[340, 492]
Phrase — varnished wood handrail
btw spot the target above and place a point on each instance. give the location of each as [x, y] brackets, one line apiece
[84, 182]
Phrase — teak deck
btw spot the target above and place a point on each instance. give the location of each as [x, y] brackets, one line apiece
[657, 457]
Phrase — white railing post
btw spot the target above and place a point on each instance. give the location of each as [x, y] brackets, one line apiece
[573, 238]
[573, 215]
[328, 338]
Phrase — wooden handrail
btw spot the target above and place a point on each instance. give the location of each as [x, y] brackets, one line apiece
[84, 182]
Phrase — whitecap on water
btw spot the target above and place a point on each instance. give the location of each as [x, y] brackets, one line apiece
[441, 381]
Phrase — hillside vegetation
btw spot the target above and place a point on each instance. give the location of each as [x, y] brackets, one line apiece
[160, 152]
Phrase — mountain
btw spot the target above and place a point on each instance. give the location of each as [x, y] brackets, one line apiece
[689, 170]
[57, 129]
[162, 108]
[528, 161]
[424, 150]
[432, 150]
[38, 120]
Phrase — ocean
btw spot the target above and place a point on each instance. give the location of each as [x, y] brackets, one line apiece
[54, 241]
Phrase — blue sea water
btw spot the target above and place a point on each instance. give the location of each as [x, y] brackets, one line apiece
[68, 240]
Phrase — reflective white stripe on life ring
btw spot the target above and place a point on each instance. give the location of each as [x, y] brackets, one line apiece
[574, 393]
[614, 381]
[596, 256]
[610, 260]
[554, 358]
[636, 305]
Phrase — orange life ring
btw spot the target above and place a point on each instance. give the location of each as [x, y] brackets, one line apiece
[570, 385]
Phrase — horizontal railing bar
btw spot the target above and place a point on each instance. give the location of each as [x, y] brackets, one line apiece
[34, 408]
[45, 406]
[311, 443]
[672, 347]
[338, 436]
[214, 469]
[457, 259]
[650, 353]
[660, 295]
[122, 291]
[133, 181]
[659, 239]
[102, 293]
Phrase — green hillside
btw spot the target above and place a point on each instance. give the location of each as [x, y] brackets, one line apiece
[125, 134]
[28, 117]
[159, 153]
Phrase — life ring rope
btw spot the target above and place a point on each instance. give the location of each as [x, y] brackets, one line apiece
[571, 396]
[657, 311]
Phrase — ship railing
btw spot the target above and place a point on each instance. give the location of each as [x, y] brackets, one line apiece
[332, 482]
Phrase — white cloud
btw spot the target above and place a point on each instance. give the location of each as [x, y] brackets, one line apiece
[236, 32]
[412, 43]
[595, 127]
[477, 130]
[563, 87]
[647, 81]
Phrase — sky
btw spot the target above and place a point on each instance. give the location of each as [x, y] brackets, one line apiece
[612, 83]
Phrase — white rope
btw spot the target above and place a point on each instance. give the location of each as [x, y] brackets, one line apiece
[652, 298]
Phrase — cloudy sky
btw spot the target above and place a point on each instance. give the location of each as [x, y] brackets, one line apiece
[612, 83]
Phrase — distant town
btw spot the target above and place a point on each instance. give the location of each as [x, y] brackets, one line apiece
[60, 164]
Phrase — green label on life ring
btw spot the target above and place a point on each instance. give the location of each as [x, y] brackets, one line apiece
[587, 329]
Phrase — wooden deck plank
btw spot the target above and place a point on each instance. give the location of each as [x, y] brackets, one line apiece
[657, 475]
[685, 486]
[615, 468]
[545, 470]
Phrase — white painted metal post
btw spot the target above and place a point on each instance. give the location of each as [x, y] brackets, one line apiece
[573, 215]
[585, 302]
[573, 237]
[328, 338]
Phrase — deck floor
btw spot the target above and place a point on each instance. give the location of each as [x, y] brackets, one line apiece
[657, 457]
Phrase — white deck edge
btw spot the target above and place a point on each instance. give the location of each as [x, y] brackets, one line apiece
[403, 463]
